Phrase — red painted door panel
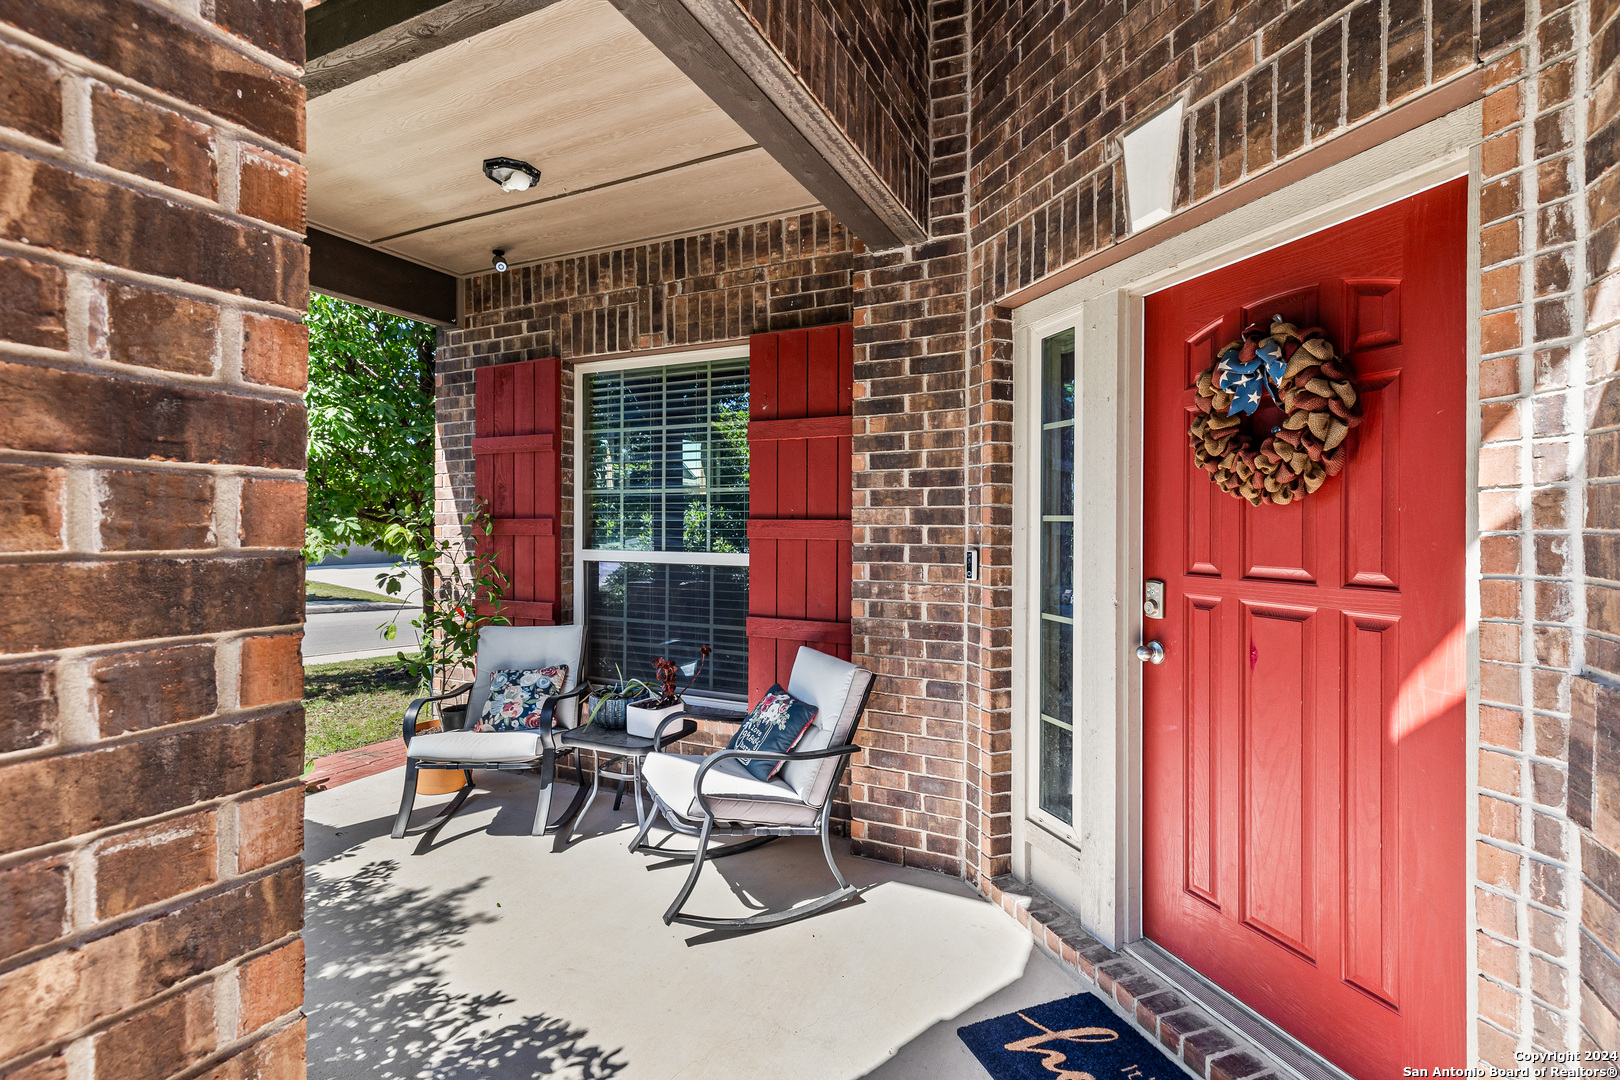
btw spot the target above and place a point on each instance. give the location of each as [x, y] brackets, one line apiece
[1304, 756]
[517, 474]
[800, 386]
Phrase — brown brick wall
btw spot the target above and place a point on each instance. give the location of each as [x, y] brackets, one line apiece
[149, 671]
[915, 791]
[693, 291]
[1049, 86]
[867, 64]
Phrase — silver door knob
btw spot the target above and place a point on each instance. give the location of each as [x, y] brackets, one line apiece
[1150, 653]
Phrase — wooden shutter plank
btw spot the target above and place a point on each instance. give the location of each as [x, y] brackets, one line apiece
[523, 612]
[524, 586]
[795, 631]
[517, 474]
[534, 526]
[542, 443]
[800, 529]
[802, 427]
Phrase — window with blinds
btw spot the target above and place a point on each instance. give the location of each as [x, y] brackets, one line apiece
[664, 521]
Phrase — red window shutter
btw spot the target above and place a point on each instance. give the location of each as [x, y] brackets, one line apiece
[517, 473]
[799, 485]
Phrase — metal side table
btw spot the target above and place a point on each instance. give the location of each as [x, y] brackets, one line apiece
[613, 747]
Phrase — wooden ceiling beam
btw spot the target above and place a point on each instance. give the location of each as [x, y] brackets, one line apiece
[717, 47]
[351, 271]
[350, 40]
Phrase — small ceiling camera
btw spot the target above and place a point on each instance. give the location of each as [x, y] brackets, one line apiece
[500, 260]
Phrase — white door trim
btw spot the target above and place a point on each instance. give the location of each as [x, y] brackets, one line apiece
[1096, 872]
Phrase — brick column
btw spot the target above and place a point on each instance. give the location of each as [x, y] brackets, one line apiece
[910, 791]
[152, 277]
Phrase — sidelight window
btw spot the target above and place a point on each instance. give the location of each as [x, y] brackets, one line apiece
[1056, 588]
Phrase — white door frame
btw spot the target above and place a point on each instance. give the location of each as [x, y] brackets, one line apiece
[1095, 869]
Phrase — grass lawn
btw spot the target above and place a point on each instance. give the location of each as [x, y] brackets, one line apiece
[320, 590]
[354, 703]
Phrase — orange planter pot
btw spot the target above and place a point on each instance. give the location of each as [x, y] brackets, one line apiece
[439, 781]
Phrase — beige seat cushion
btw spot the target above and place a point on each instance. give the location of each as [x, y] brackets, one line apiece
[495, 747]
[735, 794]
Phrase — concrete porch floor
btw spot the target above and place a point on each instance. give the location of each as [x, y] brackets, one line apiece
[491, 957]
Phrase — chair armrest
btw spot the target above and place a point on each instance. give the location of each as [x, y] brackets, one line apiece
[549, 709]
[415, 707]
[756, 755]
[672, 718]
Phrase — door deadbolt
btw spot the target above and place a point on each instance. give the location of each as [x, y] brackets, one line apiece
[1153, 599]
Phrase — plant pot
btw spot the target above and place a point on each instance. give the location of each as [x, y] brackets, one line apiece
[443, 781]
[643, 722]
[439, 781]
[610, 717]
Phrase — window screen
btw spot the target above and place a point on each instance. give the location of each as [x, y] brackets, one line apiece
[669, 458]
[641, 611]
[665, 530]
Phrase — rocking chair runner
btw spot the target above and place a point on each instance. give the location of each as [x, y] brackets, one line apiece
[499, 648]
[716, 797]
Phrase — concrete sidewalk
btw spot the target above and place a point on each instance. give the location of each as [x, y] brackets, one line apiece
[490, 956]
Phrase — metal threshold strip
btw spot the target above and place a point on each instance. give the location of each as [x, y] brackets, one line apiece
[1297, 1060]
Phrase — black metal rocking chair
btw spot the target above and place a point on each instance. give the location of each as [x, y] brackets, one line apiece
[713, 797]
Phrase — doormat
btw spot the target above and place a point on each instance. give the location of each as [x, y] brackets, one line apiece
[1073, 1038]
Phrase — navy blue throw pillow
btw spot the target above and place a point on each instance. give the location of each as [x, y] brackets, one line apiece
[775, 725]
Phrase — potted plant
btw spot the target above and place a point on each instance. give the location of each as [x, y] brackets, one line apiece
[609, 703]
[468, 594]
[643, 717]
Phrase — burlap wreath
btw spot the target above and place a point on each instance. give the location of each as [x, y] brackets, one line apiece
[1317, 392]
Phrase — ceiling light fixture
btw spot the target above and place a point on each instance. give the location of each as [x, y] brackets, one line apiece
[511, 174]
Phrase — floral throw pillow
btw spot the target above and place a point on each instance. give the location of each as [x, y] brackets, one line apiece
[776, 724]
[517, 696]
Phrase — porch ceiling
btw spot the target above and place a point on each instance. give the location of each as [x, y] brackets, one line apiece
[628, 147]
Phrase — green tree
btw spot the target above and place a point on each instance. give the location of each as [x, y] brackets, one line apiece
[370, 402]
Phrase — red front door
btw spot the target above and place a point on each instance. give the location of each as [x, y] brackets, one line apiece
[1304, 750]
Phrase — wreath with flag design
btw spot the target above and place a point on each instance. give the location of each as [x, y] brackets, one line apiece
[1316, 391]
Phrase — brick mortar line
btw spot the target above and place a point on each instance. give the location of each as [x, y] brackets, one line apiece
[83, 65]
[1580, 433]
[89, 652]
[64, 158]
[117, 924]
[188, 554]
[1582, 931]
[1564, 962]
[1522, 850]
[241, 1043]
[110, 272]
[126, 738]
[101, 462]
[1528, 87]
[168, 993]
[134, 373]
[74, 844]
[1528, 755]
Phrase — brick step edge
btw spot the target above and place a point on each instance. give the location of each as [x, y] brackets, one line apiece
[1193, 1038]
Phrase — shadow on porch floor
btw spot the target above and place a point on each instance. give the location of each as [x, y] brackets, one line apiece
[491, 957]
